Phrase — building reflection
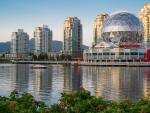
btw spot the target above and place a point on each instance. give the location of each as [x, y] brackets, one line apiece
[89, 78]
[43, 80]
[112, 83]
[20, 77]
[117, 83]
[147, 81]
[72, 78]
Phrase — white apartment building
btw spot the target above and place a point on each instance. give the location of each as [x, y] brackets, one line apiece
[72, 37]
[145, 19]
[42, 39]
[98, 24]
[19, 44]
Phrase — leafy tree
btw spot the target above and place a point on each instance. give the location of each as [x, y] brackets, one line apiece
[68, 57]
[51, 57]
[57, 57]
[43, 56]
[46, 56]
[34, 57]
[62, 57]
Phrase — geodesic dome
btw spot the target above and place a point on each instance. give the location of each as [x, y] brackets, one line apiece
[122, 27]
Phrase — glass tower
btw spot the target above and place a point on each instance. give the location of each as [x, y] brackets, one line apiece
[145, 18]
[98, 23]
[42, 39]
[19, 44]
[72, 37]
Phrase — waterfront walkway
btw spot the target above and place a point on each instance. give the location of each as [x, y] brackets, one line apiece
[75, 63]
[42, 62]
[132, 64]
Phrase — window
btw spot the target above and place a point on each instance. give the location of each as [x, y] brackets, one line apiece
[121, 53]
[126, 53]
[105, 53]
[94, 53]
[112, 53]
[141, 53]
[134, 53]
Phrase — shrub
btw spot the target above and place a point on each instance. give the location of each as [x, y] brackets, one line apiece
[75, 102]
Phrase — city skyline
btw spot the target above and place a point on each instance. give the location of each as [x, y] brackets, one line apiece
[27, 15]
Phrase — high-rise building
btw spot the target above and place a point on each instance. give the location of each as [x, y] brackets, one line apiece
[145, 18]
[42, 39]
[19, 44]
[72, 37]
[98, 23]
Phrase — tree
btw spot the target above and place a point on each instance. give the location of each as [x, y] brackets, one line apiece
[30, 54]
[43, 56]
[68, 57]
[34, 57]
[62, 57]
[57, 57]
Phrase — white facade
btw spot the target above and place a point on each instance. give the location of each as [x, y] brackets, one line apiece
[98, 24]
[109, 51]
[72, 37]
[42, 39]
[145, 19]
[19, 44]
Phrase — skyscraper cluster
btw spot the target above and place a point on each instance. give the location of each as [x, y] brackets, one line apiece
[72, 37]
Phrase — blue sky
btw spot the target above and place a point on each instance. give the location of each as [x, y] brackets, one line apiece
[27, 14]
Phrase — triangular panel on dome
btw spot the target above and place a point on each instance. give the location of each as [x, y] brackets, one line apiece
[111, 35]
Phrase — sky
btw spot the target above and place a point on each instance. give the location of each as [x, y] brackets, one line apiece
[28, 14]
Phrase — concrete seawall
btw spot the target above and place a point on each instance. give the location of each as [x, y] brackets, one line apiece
[74, 63]
[130, 64]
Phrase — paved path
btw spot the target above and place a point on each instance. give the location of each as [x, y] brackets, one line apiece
[75, 63]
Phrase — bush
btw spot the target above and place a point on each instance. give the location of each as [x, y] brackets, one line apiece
[43, 56]
[24, 104]
[76, 102]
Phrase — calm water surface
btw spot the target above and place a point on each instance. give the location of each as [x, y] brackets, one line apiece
[112, 83]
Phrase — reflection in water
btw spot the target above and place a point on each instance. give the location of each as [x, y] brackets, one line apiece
[43, 83]
[20, 77]
[116, 83]
[43, 79]
[72, 80]
[146, 86]
[112, 83]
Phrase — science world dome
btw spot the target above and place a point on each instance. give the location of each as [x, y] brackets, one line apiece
[122, 27]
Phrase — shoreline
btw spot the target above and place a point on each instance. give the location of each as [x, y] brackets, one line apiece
[75, 63]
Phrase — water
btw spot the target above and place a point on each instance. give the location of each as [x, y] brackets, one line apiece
[112, 83]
